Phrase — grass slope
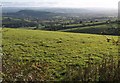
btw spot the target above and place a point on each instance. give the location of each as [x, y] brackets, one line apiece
[108, 29]
[46, 55]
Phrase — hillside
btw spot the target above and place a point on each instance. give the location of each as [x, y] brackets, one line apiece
[47, 55]
[108, 29]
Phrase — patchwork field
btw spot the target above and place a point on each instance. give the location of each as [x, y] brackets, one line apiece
[109, 29]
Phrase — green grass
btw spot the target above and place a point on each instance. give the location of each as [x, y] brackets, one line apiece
[46, 55]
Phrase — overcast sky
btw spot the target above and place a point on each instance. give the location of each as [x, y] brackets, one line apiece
[61, 3]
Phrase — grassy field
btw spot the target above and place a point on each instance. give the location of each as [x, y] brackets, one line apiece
[46, 55]
[108, 28]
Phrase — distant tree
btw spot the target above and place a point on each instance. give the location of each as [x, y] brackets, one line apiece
[37, 26]
[8, 19]
[108, 21]
[96, 21]
[80, 22]
[91, 21]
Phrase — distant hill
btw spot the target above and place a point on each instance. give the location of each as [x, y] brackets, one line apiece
[82, 12]
[33, 13]
[30, 13]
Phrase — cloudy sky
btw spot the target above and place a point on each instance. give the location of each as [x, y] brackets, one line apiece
[61, 3]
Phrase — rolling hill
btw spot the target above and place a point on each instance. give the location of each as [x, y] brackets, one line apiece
[108, 29]
[30, 14]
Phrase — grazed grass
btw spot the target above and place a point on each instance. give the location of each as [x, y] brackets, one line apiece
[46, 55]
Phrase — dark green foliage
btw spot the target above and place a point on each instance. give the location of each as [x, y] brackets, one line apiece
[16, 23]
